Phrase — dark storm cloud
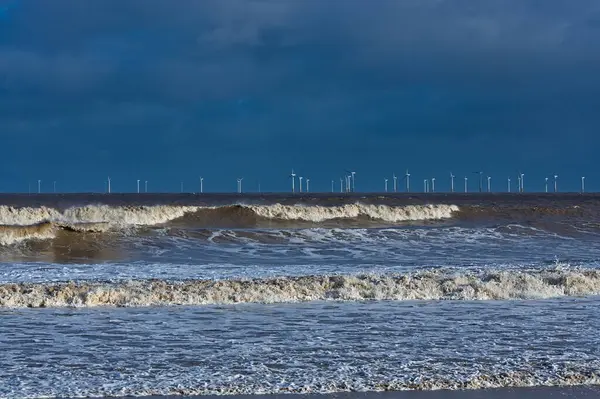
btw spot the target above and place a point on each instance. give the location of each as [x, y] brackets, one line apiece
[188, 50]
[282, 71]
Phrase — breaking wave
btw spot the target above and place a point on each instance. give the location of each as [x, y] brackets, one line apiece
[22, 223]
[386, 213]
[429, 285]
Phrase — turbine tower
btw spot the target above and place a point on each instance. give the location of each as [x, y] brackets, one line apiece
[300, 182]
[109, 184]
[138, 186]
[522, 182]
[508, 186]
[395, 181]
[407, 177]
[341, 184]
[425, 181]
[239, 182]
[293, 176]
[466, 180]
[332, 185]
[353, 187]
[433, 184]
[555, 183]
[201, 184]
[39, 186]
[582, 184]
[489, 184]
[385, 185]
[146, 186]
[546, 184]
[452, 182]
[307, 185]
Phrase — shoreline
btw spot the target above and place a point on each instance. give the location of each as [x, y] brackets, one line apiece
[540, 392]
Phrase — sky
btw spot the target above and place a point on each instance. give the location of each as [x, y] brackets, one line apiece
[167, 91]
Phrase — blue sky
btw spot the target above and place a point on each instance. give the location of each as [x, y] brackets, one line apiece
[167, 91]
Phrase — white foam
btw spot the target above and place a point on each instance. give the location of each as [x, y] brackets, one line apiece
[117, 216]
[317, 213]
[427, 285]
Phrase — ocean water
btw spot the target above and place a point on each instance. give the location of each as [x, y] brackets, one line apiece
[106, 295]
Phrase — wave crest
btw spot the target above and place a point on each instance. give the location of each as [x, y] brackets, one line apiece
[430, 285]
[317, 213]
[10, 235]
[41, 223]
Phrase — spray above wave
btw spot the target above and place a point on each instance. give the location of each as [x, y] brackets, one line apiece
[430, 285]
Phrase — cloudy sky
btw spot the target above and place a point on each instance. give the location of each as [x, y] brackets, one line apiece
[166, 91]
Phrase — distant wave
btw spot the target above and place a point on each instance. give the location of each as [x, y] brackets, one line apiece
[429, 285]
[18, 224]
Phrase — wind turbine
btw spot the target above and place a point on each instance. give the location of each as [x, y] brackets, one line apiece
[385, 185]
[407, 177]
[307, 185]
[300, 180]
[332, 186]
[146, 186]
[138, 186]
[582, 184]
[508, 185]
[555, 183]
[293, 176]
[489, 184]
[433, 184]
[39, 186]
[341, 184]
[466, 180]
[519, 183]
[546, 184]
[239, 182]
[452, 182]
[351, 176]
[201, 184]
[425, 185]
[522, 182]
[109, 184]
[395, 181]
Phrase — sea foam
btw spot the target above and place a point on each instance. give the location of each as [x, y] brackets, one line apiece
[429, 285]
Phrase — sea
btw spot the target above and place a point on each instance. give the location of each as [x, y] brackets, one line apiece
[255, 294]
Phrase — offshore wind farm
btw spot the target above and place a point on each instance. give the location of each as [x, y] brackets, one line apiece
[300, 184]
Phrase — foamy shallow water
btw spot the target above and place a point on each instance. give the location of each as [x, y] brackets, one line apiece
[316, 347]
